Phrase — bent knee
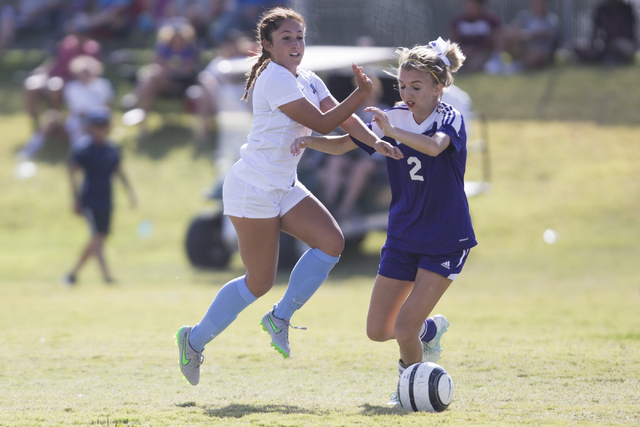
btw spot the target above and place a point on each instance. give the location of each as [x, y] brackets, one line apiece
[378, 334]
[405, 334]
[333, 244]
[259, 286]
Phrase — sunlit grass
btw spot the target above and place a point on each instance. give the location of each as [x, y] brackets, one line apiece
[540, 334]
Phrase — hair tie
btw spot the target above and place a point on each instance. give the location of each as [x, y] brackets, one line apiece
[422, 65]
[441, 47]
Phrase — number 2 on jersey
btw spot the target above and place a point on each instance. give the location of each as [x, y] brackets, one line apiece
[414, 171]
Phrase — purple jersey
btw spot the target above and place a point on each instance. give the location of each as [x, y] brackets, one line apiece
[429, 212]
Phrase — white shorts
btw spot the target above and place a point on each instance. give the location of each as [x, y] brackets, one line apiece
[243, 200]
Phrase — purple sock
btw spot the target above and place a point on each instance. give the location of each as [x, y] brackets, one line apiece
[428, 331]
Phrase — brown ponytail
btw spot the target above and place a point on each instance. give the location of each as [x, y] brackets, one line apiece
[269, 22]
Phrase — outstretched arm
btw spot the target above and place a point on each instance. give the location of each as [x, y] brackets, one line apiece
[304, 112]
[355, 127]
[429, 145]
[327, 144]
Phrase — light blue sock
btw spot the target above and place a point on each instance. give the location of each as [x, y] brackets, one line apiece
[231, 299]
[309, 273]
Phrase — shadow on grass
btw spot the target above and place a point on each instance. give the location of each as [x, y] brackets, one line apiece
[55, 151]
[373, 410]
[156, 145]
[172, 136]
[239, 411]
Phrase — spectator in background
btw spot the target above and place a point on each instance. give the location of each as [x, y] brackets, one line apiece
[107, 19]
[614, 35]
[48, 80]
[86, 92]
[7, 25]
[532, 37]
[478, 32]
[27, 18]
[174, 69]
[240, 15]
[100, 160]
[200, 14]
[344, 178]
[220, 89]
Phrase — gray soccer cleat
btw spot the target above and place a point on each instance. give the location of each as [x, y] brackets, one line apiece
[190, 359]
[394, 401]
[431, 350]
[279, 331]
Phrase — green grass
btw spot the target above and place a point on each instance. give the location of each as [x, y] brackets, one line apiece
[540, 334]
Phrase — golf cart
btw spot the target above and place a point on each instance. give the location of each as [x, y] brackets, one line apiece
[211, 239]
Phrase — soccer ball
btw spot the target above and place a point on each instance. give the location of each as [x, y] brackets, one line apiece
[425, 387]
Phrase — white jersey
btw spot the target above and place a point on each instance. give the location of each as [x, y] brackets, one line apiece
[266, 161]
[81, 98]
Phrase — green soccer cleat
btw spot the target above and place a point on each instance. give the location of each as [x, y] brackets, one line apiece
[190, 359]
[279, 331]
[431, 350]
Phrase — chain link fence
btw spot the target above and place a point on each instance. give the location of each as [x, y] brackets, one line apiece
[410, 22]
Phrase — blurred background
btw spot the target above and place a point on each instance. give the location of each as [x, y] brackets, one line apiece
[543, 84]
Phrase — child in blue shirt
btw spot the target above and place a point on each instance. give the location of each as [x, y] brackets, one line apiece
[99, 160]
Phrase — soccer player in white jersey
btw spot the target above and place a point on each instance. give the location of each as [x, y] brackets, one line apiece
[262, 195]
[429, 233]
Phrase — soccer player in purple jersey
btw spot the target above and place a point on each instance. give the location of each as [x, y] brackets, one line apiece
[429, 234]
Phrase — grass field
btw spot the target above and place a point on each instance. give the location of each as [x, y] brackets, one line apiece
[541, 334]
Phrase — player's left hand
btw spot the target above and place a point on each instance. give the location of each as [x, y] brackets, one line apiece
[363, 81]
[298, 144]
[386, 149]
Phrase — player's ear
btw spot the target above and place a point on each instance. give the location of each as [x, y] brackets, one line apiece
[266, 45]
[439, 91]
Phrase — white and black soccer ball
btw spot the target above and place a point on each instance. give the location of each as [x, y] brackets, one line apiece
[425, 387]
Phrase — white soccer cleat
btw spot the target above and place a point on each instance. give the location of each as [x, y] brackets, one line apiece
[190, 359]
[431, 350]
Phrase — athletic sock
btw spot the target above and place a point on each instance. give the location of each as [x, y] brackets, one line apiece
[231, 299]
[401, 367]
[310, 272]
[428, 330]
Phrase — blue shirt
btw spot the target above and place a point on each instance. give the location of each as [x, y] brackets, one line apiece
[429, 212]
[98, 162]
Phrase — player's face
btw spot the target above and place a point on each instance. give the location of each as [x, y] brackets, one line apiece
[99, 132]
[419, 92]
[287, 45]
